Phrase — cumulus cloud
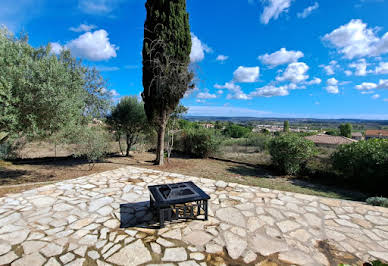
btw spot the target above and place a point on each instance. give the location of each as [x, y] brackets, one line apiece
[332, 86]
[295, 72]
[222, 58]
[365, 86]
[382, 68]
[206, 95]
[356, 40]
[56, 48]
[83, 28]
[360, 67]
[246, 74]
[198, 49]
[330, 68]
[94, 46]
[280, 57]
[308, 10]
[270, 91]
[376, 96]
[235, 91]
[348, 73]
[273, 9]
[314, 81]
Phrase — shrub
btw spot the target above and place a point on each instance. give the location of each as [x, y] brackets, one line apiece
[93, 143]
[364, 163]
[377, 201]
[290, 152]
[200, 143]
[236, 131]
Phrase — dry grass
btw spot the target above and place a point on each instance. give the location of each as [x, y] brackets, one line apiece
[55, 169]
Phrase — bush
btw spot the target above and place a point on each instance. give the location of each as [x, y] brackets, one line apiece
[290, 153]
[200, 143]
[364, 163]
[377, 201]
[93, 143]
[236, 131]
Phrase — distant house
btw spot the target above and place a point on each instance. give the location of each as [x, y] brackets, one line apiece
[329, 141]
[208, 125]
[376, 134]
[357, 136]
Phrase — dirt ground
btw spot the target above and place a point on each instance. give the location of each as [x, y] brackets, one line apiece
[27, 173]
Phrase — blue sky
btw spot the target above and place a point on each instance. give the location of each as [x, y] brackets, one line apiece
[262, 58]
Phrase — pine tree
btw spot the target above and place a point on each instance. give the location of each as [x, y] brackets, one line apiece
[286, 126]
[166, 58]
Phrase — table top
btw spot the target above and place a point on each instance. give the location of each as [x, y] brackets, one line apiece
[161, 202]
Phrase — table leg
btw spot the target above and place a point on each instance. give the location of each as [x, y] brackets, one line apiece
[161, 217]
[205, 205]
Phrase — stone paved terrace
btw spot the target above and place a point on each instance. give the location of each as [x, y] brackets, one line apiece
[76, 222]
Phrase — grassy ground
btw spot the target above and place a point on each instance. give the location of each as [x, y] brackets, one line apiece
[51, 169]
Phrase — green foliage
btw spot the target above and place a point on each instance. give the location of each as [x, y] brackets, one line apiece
[286, 126]
[290, 152]
[42, 94]
[93, 143]
[364, 163]
[377, 201]
[346, 130]
[259, 141]
[236, 131]
[265, 131]
[201, 143]
[128, 119]
[166, 58]
[332, 132]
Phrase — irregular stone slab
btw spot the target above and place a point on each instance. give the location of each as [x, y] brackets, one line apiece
[93, 254]
[380, 255]
[221, 184]
[197, 238]
[379, 220]
[99, 203]
[4, 248]
[32, 259]
[164, 242]
[234, 245]
[8, 258]
[15, 238]
[51, 250]
[174, 234]
[287, 226]
[296, 257]
[174, 254]
[33, 246]
[67, 257]
[52, 262]
[77, 262]
[231, 215]
[41, 202]
[266, 246]
[133, 254]
[213, 248]
[197, 256]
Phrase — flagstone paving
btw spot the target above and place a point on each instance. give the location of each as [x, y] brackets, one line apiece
[77, 222]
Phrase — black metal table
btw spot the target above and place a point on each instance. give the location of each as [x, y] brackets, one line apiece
[183, 200]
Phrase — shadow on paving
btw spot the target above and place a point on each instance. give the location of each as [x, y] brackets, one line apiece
[137, 214]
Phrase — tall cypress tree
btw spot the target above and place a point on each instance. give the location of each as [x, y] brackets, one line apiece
[286, 126]
[166, 59]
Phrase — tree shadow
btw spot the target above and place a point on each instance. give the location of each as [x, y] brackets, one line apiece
[51, 161]
[249, 171]
[138, 214]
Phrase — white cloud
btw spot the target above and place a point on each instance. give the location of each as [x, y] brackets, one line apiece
[220, 91]
[198, 49]
[314, 81]
[382, 68]
[246, 74]
[366, 86]
[356, 40]
[367, 92]
[222, 58]
[98, 7]
[295, 72]
[348, 73]
[235, 91]
[330, 68]
[307, 11]
[280, 57]
[56, 48]
[383, 84]
[114, 93]
[332, 86]
[376, 96]
[83, 28]
[360, 67]
[273, 9]
[206, 95]
[270, 91]
[190, 92]
[94, 46]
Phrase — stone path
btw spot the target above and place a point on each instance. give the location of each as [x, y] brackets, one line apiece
[77, 222]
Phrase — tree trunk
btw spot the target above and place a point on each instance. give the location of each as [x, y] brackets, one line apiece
[128, 146]
[160, 147]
